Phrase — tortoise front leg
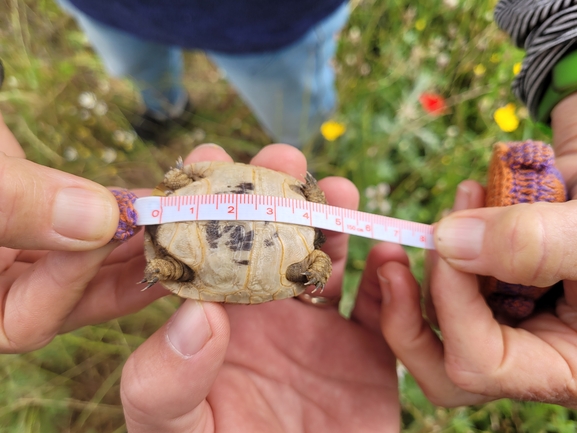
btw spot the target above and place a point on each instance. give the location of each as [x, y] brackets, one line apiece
[180, 176]
[312, 191]
[314, 270]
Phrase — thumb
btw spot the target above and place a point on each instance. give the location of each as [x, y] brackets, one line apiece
[523, 244]
[165, 382]
[44, 208]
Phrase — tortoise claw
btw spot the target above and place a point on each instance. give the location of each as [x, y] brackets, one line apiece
[313, 281]
[150, 283]
[179, 163]
[319, 286]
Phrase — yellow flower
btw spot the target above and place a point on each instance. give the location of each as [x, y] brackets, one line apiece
[420, 24]
[479, 70]
[516, 68]
[332, 130]
[506, 118]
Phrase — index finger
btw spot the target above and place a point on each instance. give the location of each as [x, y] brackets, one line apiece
[522, 244]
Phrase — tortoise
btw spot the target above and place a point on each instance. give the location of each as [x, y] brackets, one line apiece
[245, 262]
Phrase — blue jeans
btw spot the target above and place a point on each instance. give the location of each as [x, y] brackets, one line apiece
[291, 91]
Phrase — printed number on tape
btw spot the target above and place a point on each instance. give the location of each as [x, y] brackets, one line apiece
[249, 207]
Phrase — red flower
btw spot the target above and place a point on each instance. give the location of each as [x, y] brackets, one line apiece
[433, 103]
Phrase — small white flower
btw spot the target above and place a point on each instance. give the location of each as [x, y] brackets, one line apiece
[355, 34]
[443, 60]
[198, 134]
[377, 198]
[522, 113]
[372, 151]
[385, 207]
[436, 45]
[351, 59]
[129, 137]
[370, 192]
[119, 136]
[452, 131]
[104, 86]
[408, 111]
[12, 81]
[70, 154]
[84, 114]
[383, 189]
[451, 4]
[365, 69]
[100, 109]
[87, 100]
[108, 155]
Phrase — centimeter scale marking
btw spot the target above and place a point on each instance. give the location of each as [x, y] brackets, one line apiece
[251, 207]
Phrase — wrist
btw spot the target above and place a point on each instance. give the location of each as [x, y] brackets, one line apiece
[563, 84]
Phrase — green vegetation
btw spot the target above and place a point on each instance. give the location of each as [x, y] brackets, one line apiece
[68, 114]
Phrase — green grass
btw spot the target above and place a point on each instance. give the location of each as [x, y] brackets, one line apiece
[68, 114]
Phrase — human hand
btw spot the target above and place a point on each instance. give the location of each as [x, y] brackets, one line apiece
[283, 366]
[77, 281]
[480, 359]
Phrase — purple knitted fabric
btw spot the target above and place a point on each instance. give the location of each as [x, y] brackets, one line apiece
[520, 172]
[127, 223]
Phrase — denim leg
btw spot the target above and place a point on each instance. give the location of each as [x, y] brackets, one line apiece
[156, 69]
[291, 91]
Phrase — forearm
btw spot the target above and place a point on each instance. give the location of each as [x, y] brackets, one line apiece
[547, 30]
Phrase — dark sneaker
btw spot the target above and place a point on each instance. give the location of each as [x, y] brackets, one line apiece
[149, 128]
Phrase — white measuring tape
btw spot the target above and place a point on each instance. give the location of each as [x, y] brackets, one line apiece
[250, 207]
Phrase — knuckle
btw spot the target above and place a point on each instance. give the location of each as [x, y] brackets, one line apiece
[12, 190]
[133, 391]
[467, 375]
[529, 261]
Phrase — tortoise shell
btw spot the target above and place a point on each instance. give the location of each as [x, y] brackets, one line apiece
[245, 262]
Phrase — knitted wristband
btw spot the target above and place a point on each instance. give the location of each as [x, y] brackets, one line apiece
[520, 172]
[127, 223]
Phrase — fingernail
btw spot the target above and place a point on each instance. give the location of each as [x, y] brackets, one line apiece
[461, 198]
[385, 287]
[460, 238]
[189, 330]
[82, 214]
[209, 145]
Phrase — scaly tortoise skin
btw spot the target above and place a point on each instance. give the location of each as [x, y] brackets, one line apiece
[245, 262]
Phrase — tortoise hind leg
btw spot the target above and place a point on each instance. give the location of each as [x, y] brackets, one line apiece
[314, 270]
[166, 268]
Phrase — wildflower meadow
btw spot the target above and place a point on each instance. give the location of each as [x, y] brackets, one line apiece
[424, 93]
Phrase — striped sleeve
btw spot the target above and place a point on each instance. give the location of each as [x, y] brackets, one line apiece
[547, 30]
